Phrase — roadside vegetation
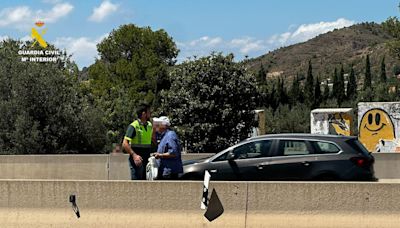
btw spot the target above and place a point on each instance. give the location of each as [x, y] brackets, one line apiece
[56, 108]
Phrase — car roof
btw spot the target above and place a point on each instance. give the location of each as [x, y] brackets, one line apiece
[302, 136]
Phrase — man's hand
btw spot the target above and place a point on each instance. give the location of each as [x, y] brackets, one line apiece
[137, 159]
[157, 155]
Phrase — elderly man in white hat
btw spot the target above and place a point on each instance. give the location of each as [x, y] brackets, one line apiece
[168, 151]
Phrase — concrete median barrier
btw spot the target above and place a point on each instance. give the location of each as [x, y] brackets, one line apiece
[72, 167]
[44, 203]
[115, 204]
[387, 165]
[318, 204]
[118, 167]
[115, 167]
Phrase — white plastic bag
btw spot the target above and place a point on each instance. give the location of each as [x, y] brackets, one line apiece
[152, 169]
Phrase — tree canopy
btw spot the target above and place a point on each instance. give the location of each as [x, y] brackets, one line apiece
[132, 69]
[212, 100]
[42, 108]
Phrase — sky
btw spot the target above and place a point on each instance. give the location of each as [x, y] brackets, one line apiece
[245, 28]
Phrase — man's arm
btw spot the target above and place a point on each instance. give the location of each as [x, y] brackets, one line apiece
[136, 158]
[130, 133]
[172, 149]
[127, 147]
[165, 155]
[153, 136]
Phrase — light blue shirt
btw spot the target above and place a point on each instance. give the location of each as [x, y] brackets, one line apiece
[170, 144]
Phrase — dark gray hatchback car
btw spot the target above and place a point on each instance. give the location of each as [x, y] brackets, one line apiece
[287, 157]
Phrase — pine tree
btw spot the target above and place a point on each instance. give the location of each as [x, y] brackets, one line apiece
[261, 76]
[383, 71]
[352, 85]
[340, 89]
[295, 91]
[335, 84]
[326, 91]
[262, 87]
[282, 98]
[273, 98]
[308, 88]
[368, 77]
[317, 93]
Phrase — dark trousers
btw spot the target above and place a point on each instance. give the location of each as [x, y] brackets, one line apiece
[172, 176]
[139, 172]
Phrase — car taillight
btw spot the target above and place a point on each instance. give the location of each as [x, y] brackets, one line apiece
[362, 162]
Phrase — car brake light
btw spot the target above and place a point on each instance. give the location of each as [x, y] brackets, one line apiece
[361, 162]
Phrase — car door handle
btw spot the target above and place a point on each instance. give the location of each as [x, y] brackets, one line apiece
[213, 171]
[260, 167]
[306, 163]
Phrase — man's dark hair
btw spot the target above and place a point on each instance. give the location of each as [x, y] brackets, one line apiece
[142, 108]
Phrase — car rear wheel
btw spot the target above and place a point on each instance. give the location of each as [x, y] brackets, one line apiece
[191, 176]
[327, 177]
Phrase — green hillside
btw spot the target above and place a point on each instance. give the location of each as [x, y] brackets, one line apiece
[345, 46]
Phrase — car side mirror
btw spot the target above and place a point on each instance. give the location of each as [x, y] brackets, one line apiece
[230, 156]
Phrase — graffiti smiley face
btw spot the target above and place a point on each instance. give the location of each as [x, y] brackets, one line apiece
[375, 125]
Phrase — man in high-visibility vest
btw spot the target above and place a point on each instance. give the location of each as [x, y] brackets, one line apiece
[137, 142]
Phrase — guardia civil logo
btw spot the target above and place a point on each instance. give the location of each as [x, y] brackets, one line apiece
[37, 34]
[43, 53]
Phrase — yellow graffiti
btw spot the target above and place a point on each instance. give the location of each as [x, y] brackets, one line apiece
[38, 37]
[341, 122]
[375, 125]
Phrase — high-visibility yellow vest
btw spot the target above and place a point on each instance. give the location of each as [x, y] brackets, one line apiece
[143, 134]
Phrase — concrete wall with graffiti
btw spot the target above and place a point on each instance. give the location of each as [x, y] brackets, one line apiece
[379, 126]
[332, 121]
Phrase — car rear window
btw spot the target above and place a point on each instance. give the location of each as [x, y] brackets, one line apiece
[325, 147]
[358, 146]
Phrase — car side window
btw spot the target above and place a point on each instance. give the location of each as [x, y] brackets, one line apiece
[325, 148]
[293, 147]
[255, 149]
[221, 157]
